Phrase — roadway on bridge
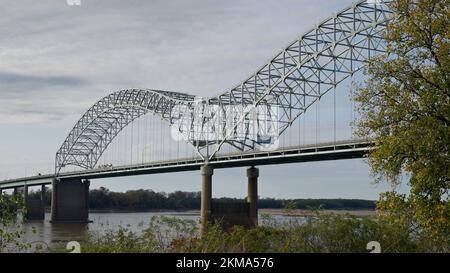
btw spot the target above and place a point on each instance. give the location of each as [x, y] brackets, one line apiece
[304, 153]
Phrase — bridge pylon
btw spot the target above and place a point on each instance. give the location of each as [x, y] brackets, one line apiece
[70, 201]
[35, 207]
[226, 213]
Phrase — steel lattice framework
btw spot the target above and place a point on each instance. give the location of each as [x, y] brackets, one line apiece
[291, 82]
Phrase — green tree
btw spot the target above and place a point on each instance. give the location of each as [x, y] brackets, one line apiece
[405, 107]
[10, 232]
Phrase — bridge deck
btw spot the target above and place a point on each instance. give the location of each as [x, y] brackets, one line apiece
[305, 153]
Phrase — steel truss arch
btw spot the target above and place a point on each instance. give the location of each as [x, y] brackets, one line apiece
[292, 81]
[96, 129]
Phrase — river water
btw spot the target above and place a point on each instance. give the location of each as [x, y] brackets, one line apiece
[51, 234]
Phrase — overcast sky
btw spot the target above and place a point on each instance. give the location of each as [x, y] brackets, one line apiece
[56, 60]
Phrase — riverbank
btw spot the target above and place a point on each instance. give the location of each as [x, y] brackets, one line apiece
[184, 211]
[281, 212]
[306, 213]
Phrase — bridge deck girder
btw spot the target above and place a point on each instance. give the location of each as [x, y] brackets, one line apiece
[307, 153]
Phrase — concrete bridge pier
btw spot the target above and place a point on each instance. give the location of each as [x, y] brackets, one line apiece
[228, 214]
[206, 196]
[70, 201]
[25, 198]
[252, 198]
[43, 189]
[35, 207]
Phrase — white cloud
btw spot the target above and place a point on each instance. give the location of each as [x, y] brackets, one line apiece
[190, 46]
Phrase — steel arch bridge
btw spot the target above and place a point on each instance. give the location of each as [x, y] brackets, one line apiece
[277, 94]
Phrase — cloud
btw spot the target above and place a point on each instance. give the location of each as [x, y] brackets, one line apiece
[12, 82]
[63, 58]
[27, 98]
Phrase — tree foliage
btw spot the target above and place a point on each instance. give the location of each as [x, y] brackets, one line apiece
[10, 223]
[141, 199]
[405, 107]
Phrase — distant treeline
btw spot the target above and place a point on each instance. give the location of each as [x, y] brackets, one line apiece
[103, 198]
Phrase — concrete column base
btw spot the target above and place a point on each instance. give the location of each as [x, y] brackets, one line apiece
[70, 201]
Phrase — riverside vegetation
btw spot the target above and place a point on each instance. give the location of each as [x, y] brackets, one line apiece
[318, 233]
[139, 200]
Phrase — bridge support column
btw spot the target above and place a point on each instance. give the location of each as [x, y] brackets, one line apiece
[35, 207]
[70, 201]
[43, 195]
[206, 196]
[25, 193]
[25, 200]
[252, 198]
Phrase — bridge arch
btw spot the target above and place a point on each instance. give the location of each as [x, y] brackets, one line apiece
[293, 80]
[96, 129]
